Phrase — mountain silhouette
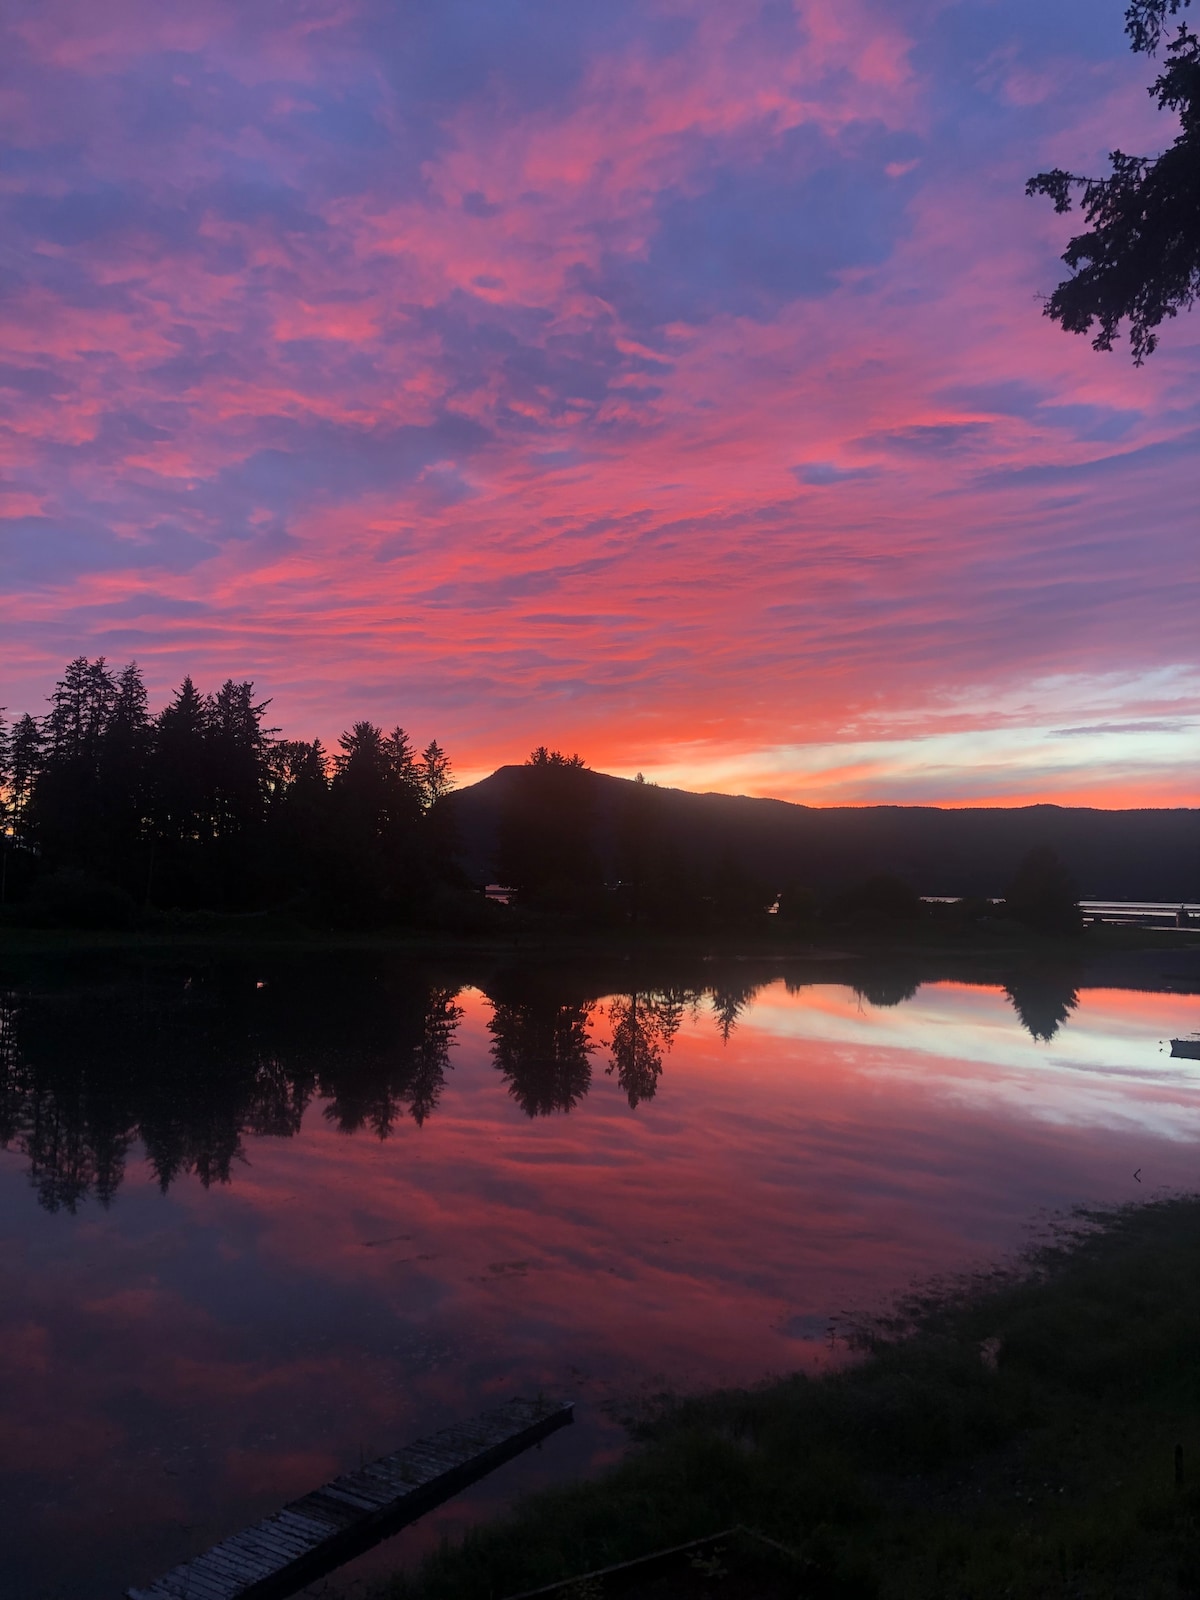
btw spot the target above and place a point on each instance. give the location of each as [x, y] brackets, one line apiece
[1142, 854]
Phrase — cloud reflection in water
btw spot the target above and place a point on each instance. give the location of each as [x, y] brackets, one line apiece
[361, 1258]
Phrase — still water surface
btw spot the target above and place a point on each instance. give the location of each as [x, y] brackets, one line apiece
[257, 1219]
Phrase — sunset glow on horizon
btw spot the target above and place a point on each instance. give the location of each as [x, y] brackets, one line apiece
[665, 381]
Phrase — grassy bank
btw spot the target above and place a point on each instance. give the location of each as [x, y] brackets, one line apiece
[1019, 1435]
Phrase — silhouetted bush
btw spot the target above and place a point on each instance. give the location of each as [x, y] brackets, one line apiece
[796, 906]
[882, 896]
[465, 912]
[71, 899]
[1043, 895]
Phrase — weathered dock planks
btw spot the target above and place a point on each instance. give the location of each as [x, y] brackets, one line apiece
[313, 1535]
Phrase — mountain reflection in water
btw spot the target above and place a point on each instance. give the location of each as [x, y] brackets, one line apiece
[257, 1221]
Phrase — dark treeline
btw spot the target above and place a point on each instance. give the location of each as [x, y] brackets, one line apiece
[107, 808]
[193, 1063]
[111, 813]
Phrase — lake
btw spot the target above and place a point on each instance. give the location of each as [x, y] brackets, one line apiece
[260, 1218]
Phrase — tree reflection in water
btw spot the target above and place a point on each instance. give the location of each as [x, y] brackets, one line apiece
[405, 1072]
[193, 1061]
[886, 989]
[541, 1043]
[643, 1029]
[75, 1138]
[1043, 1001]
[729, 1000]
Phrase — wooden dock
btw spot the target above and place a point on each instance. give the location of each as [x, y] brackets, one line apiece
[312, 1536]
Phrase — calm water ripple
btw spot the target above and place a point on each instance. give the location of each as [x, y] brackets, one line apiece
[258, 1219]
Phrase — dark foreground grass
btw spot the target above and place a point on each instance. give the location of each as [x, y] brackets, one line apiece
[1020, 1434]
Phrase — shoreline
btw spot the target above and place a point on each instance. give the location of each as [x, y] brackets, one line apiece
[264, 930]
[1031, 1430]
[1149, 959]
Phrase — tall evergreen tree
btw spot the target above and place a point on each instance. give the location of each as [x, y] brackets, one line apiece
[296, 771]
[376, 779]
[26, 754]
[182, 786]
[124, 759]
[5, 769]
[68, 798]
[435, 773]
[80, 707]
[403, 760]
[237, 757]
[362, 776]
[375, 804]
[298, 821]
[128, 723]
[5, 801]
[1044, 895]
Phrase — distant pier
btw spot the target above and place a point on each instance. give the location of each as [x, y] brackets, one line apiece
[314, 1535]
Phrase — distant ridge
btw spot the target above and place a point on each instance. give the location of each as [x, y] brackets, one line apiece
[1119, 855]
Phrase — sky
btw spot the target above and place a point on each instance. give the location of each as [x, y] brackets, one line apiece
[661, 380]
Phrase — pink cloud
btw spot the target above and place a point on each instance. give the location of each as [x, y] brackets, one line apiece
[508, 403]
